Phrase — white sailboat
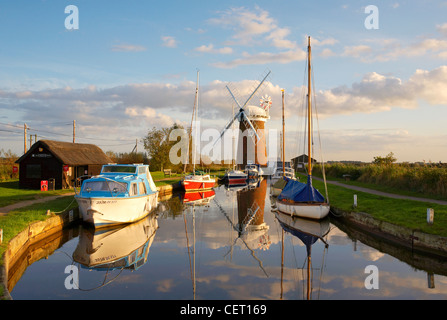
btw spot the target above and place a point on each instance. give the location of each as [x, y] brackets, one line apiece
[302, 199]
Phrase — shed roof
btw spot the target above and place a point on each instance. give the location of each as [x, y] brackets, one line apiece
[71, 153]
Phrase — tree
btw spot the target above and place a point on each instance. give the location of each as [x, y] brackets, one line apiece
[158, 146]
[387, 160]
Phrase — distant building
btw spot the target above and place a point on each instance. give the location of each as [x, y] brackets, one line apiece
[300, 163]
[59, 163]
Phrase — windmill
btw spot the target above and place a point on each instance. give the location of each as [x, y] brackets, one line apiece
[251, 123]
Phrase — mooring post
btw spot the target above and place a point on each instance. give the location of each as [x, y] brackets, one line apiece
[430, 215]
[355, 201]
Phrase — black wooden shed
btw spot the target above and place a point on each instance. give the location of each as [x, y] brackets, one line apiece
[60, 163]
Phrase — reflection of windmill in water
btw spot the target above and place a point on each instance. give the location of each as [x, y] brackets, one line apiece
[250, 208]
[250, 227]
[309, 232]
[252, 120]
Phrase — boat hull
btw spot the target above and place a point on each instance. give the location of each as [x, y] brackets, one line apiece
[233, 181]
[315, 211]
[192, 185]
[109, 211]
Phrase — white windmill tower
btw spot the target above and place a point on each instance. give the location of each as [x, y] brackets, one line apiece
[252, 125]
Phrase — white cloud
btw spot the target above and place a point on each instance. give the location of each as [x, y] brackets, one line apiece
[264, 58]
[128, 48]
[169, 42]
[383, 50]
[210, 49]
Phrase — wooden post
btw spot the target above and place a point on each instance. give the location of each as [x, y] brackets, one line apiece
[430, 215]
[355, 201]
[74, 130]
[1, 236]
[24, 138]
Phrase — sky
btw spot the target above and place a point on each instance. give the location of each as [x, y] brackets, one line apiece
[121, 68]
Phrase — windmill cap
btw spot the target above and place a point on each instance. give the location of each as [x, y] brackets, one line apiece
[256, 113]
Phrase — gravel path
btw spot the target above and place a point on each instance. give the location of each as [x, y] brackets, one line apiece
[7, 209]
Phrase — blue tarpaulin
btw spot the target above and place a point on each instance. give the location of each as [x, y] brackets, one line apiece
[301, 192]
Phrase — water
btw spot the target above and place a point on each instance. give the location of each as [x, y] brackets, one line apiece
[230, 247]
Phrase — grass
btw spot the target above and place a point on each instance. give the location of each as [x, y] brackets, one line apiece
[408, 213]
[17, 220]
[10, 193]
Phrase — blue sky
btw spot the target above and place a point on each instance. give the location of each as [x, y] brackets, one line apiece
[132, 65]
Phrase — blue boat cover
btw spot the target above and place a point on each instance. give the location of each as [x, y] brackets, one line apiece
[301, 192]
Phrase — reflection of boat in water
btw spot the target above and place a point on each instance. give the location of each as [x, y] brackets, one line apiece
[120, 194]
[123, 247]
[253, 171]
[309, 232]
[199, 197]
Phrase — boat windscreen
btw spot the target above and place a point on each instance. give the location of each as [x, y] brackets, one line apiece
[118, 169]
[103, 186]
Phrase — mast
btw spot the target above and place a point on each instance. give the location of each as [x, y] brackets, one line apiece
[309, 109]
[196, 105]
[283, 135]
[196, 100]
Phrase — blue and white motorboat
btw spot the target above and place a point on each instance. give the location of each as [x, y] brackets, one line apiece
[122, 193]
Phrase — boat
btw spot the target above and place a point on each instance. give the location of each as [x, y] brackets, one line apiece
[196, 180]
[253, 171]
[235, 177]
[302, 199]
[121, 193]
[280, 172]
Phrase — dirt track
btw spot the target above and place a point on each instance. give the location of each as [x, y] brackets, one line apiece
[7, 209]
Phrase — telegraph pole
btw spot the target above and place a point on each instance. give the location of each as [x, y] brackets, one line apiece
[74, 130]
[24, 138]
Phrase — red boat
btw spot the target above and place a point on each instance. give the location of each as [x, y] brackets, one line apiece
[201, 182]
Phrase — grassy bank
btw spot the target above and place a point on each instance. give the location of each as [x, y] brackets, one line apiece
[406, 213]
[17, 220]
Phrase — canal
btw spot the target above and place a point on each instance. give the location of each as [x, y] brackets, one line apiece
[225, 244]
